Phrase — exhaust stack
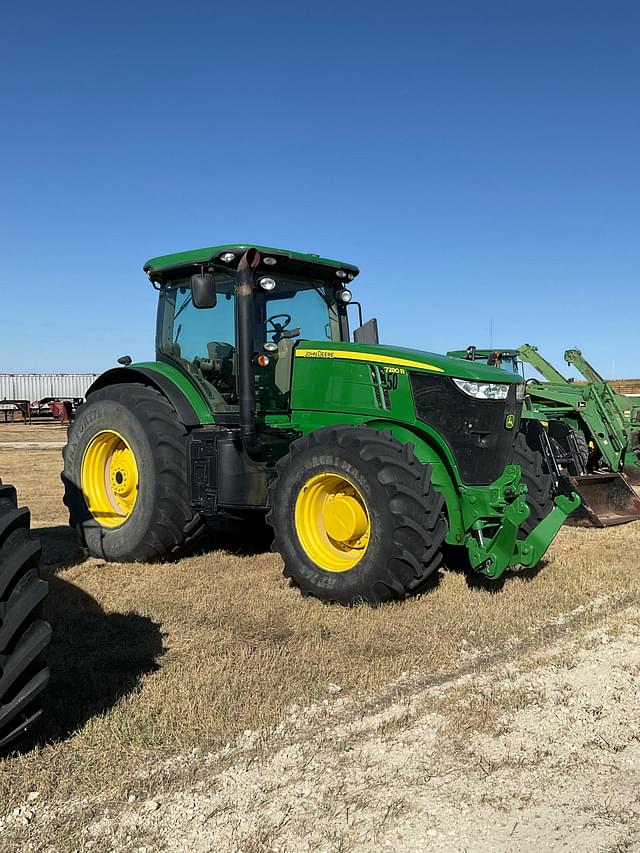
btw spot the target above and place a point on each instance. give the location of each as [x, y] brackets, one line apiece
[244, 346]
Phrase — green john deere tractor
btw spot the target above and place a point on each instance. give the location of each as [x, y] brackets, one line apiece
[612, 419]
[593, 445]
[365, 459]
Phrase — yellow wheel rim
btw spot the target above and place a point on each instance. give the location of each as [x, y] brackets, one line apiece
[109, 477]
[332, 522]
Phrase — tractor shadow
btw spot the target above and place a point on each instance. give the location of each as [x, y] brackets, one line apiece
[246, 537]
[95, 658]
[456, 560]
[243, 537]
[60, 547]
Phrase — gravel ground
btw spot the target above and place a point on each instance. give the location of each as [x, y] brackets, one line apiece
[465, 719]
[539, 751]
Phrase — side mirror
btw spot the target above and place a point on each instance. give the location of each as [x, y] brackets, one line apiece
[203, 290]
[367, 333]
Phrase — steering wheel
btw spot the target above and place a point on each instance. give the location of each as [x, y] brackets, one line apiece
[279, 327]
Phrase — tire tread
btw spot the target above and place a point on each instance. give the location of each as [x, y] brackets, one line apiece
[416, 508]
[538, 481]
[24, 635]
[175, 525]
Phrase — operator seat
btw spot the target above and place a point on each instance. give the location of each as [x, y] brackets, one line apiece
[219, 352]
[223, 359]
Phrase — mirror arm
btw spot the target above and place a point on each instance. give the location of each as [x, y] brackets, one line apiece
[359, 306]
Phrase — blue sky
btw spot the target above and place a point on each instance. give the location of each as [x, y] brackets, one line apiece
[478, 161]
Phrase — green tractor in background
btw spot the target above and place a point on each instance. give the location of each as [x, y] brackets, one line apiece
[366, 460]
[629, 404]
[594, 441]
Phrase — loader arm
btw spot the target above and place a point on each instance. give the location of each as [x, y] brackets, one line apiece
[575, 357]
[625, 407]
[530, 354]
[608, 399]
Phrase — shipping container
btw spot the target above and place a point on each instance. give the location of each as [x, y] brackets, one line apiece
[40, 386]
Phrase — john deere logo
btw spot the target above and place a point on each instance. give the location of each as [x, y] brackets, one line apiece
[510, 421]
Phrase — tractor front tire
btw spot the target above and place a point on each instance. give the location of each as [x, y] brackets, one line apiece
[538, 482]
[24, 635]
[356, 517]
[126, 476]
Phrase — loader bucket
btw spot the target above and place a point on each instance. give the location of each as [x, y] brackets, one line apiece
[632, 474]
[607, 499]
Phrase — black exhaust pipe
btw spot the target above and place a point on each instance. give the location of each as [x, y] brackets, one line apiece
[244, 346]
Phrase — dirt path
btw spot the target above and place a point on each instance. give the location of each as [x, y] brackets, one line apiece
[539, 752]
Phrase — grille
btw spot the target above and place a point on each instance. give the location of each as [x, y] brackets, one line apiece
[473, 429]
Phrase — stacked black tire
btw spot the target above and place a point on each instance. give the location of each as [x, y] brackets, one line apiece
[24, 635]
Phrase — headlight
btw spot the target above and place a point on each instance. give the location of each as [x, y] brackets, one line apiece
[483, 390]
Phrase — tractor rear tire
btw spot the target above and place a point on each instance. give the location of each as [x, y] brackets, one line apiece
[537, 480]
[405, 521]
[157, 521]
[24, 635]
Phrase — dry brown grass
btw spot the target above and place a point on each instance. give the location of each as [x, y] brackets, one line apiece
[46, 430]
[151, 660]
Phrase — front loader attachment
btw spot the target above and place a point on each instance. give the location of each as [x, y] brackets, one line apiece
[632, 474]
[607, 499]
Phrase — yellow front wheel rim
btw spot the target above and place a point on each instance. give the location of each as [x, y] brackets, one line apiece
[332, 522]
[109, 476]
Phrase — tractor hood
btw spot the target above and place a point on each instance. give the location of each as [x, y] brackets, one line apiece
[406, 359]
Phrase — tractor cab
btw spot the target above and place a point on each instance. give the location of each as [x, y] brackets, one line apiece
[293, 297]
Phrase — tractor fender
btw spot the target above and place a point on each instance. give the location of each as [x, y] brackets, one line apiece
[430, 453]
[153, 379]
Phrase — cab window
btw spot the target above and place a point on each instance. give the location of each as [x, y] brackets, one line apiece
[293, 311]
[201, 341]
